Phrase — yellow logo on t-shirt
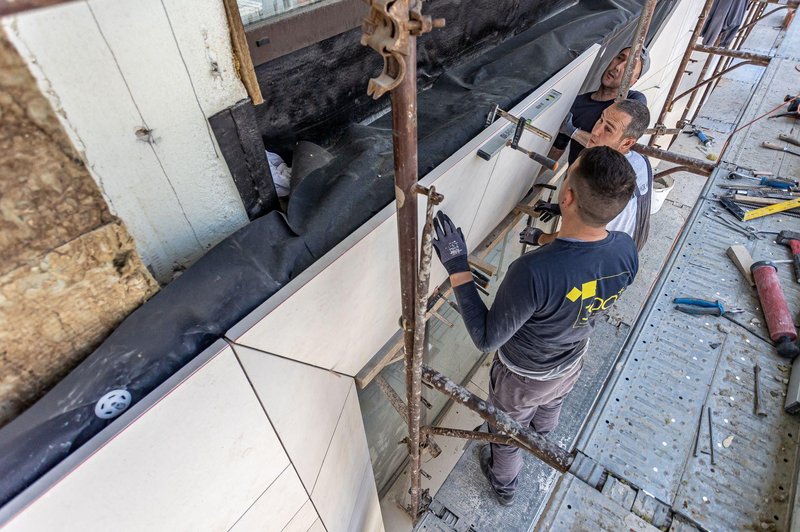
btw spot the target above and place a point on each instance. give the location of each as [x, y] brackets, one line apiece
[598, 295]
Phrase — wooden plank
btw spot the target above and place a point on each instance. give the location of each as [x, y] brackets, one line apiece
[244, 63]
[239, 140]
[742, 260]
[382, 359]
[482, 265]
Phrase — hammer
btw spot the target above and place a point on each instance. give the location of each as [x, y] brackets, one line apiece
[791, 239]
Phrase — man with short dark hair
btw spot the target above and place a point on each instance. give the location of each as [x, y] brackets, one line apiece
[547, 304]
[619, 127]
[587, 107]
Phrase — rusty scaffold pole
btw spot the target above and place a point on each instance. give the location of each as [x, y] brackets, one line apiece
[640, 35]
[392, 28]
[687, 55]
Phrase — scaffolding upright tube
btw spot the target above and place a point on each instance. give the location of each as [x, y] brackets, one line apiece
[701, 20]
[636, 48]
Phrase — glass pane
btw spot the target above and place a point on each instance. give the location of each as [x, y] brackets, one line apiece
[451, 351]
[259, 10]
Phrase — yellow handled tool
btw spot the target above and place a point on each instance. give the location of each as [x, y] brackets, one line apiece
[771, 209]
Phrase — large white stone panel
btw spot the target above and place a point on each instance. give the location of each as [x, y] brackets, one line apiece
[277, 506]
[196, 460]
[303, 403]
[345, 494]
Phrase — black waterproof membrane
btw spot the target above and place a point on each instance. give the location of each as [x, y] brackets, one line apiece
[325, 206]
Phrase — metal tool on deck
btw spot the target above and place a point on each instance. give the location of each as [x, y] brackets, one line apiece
[792, 240]
[774, 182]
[793, 110]
[778, 147]
[749, 231]
[697, 132]
[773, 303]
[704, 307]
[711, 434]
[757, 406]
[752, 214]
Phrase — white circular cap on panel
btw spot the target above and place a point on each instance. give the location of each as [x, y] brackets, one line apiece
[112, 404]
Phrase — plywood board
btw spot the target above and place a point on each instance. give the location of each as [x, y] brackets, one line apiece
[196, 460]
[55, 312]
[348, 302]
[48, 196]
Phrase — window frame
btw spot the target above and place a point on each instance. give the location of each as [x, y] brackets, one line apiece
[301, 27]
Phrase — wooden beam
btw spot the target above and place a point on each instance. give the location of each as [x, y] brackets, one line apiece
[239, 139]
[482, 265]
[742, 260]
[241, 52]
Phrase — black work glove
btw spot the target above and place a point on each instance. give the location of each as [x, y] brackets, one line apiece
[530, 236]
[547, 211]
[567, 127]
[450, 246]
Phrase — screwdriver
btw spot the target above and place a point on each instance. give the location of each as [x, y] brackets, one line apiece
[782, 184]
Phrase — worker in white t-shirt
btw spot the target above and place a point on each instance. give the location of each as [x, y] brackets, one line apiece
[619, 127]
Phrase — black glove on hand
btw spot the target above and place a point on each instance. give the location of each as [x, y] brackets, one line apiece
[530, 236]
[547, 211]
[450, 246]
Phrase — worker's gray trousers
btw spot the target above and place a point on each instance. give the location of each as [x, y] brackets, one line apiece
[531, 403]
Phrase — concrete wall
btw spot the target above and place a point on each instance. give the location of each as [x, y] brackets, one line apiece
[132, 82]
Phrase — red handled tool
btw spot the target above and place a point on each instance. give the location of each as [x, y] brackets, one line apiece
[773, 303]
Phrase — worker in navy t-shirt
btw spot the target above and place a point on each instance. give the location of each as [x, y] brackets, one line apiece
[547, 304]
[587, 108]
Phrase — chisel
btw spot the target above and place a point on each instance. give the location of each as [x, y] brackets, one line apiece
[777, 147]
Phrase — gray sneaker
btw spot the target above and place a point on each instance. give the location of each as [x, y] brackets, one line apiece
[506, 499]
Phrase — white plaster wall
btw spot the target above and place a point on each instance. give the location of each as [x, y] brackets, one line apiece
[112, 67]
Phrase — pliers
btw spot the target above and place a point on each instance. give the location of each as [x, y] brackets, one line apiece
[689, 305]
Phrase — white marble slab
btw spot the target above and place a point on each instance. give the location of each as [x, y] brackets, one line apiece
[304, 519]
[303, 403]
[276, 508]
[196, 460]
[345, 492]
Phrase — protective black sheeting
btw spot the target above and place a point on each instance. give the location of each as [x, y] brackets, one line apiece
[320, 89]
[327, 205]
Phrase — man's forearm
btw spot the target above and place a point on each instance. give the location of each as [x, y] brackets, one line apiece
[457, 279]
[554, 154]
